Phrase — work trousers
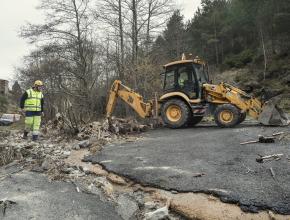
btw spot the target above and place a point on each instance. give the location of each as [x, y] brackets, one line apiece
[32, 123]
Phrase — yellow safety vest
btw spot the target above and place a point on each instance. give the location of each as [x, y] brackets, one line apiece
[33, 101]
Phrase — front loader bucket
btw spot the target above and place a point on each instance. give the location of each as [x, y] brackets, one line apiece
[273, 115]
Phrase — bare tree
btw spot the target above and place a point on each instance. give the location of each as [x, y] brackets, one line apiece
[67, 35]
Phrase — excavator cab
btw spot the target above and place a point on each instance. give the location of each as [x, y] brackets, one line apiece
[181, 102]
[186, 78]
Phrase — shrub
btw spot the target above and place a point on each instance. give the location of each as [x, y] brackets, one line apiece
[240, 60]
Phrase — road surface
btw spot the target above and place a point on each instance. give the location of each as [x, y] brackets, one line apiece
[171, 159]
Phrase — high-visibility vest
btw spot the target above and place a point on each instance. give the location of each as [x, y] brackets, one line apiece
[33, 101]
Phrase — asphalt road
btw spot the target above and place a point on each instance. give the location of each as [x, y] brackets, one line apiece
[170, 159]
[37, 198]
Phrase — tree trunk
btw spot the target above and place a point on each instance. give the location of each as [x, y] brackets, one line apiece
[121, 33]
[134, 33]
[264, 52]
[148, 26]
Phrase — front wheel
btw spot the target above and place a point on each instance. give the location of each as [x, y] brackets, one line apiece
[242, 117]
[227, 116]
[175, 113]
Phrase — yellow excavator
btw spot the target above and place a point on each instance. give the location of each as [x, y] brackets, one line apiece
[188, 95]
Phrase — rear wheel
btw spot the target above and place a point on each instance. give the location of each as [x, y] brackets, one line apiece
[175, 113]
[227, 116]
[194, 121]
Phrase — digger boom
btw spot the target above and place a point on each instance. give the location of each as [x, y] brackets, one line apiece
[129, 96]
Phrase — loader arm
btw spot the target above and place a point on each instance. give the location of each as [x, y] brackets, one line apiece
[267, 113]
[225, 93]
[133, 99]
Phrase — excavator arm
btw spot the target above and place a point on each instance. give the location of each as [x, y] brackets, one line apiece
[133, 99]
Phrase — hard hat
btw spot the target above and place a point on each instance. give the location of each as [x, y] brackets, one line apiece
[38, 83]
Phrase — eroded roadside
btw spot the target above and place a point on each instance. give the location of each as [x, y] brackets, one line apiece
[189, 205]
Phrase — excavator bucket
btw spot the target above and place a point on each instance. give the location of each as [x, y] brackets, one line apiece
[273, 115]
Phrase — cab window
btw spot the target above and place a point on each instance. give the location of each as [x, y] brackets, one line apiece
[169, 80]
[183, 77]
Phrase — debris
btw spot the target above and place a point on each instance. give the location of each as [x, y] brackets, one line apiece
[272, 172]
[262, 159]
[150, 205]
[116, 179]
[198, 174]
[85, 144]
[4, 204]
[47, 164]
[278, 133]
[127, 207]
[261, 139]
[105, 185]
[124, 126]
[158, 214]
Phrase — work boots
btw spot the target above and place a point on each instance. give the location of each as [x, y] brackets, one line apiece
[34, 137]
[25, 135]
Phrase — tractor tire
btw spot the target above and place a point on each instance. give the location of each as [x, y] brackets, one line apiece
[194, 121]
[175, 113]
[242, 117]
[227, 116]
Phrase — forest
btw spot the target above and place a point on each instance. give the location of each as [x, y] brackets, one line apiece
[84, 45]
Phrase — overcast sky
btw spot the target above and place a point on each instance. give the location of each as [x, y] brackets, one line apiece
[14, 14]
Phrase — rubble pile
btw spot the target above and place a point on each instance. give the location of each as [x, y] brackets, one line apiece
[111, 127]
[106, 129]
[55, 146]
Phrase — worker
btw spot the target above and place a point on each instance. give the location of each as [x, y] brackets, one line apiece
[31, 104]
[182, 79]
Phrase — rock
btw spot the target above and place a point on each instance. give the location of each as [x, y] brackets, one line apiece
[116, 179]
[150, 205]
[37, 169]
[66, 153]
[94, 190]
[127, 207]
[105, 185]
[158, 214]
[67, 170]
[47, 165]
[85, 144]
[76, 147]
[98, 170]
[95, 149]
[139, 197]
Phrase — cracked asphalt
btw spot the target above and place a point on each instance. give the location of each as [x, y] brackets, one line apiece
[170, 159]
[36, 198]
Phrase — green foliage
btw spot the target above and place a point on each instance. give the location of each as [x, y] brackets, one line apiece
[3, 103]
[240, 60]
[222, 31]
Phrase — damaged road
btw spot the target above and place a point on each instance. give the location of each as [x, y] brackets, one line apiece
[34, 197]
[210, 160]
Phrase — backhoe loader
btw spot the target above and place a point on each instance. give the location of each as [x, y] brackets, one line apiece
[188, 95]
